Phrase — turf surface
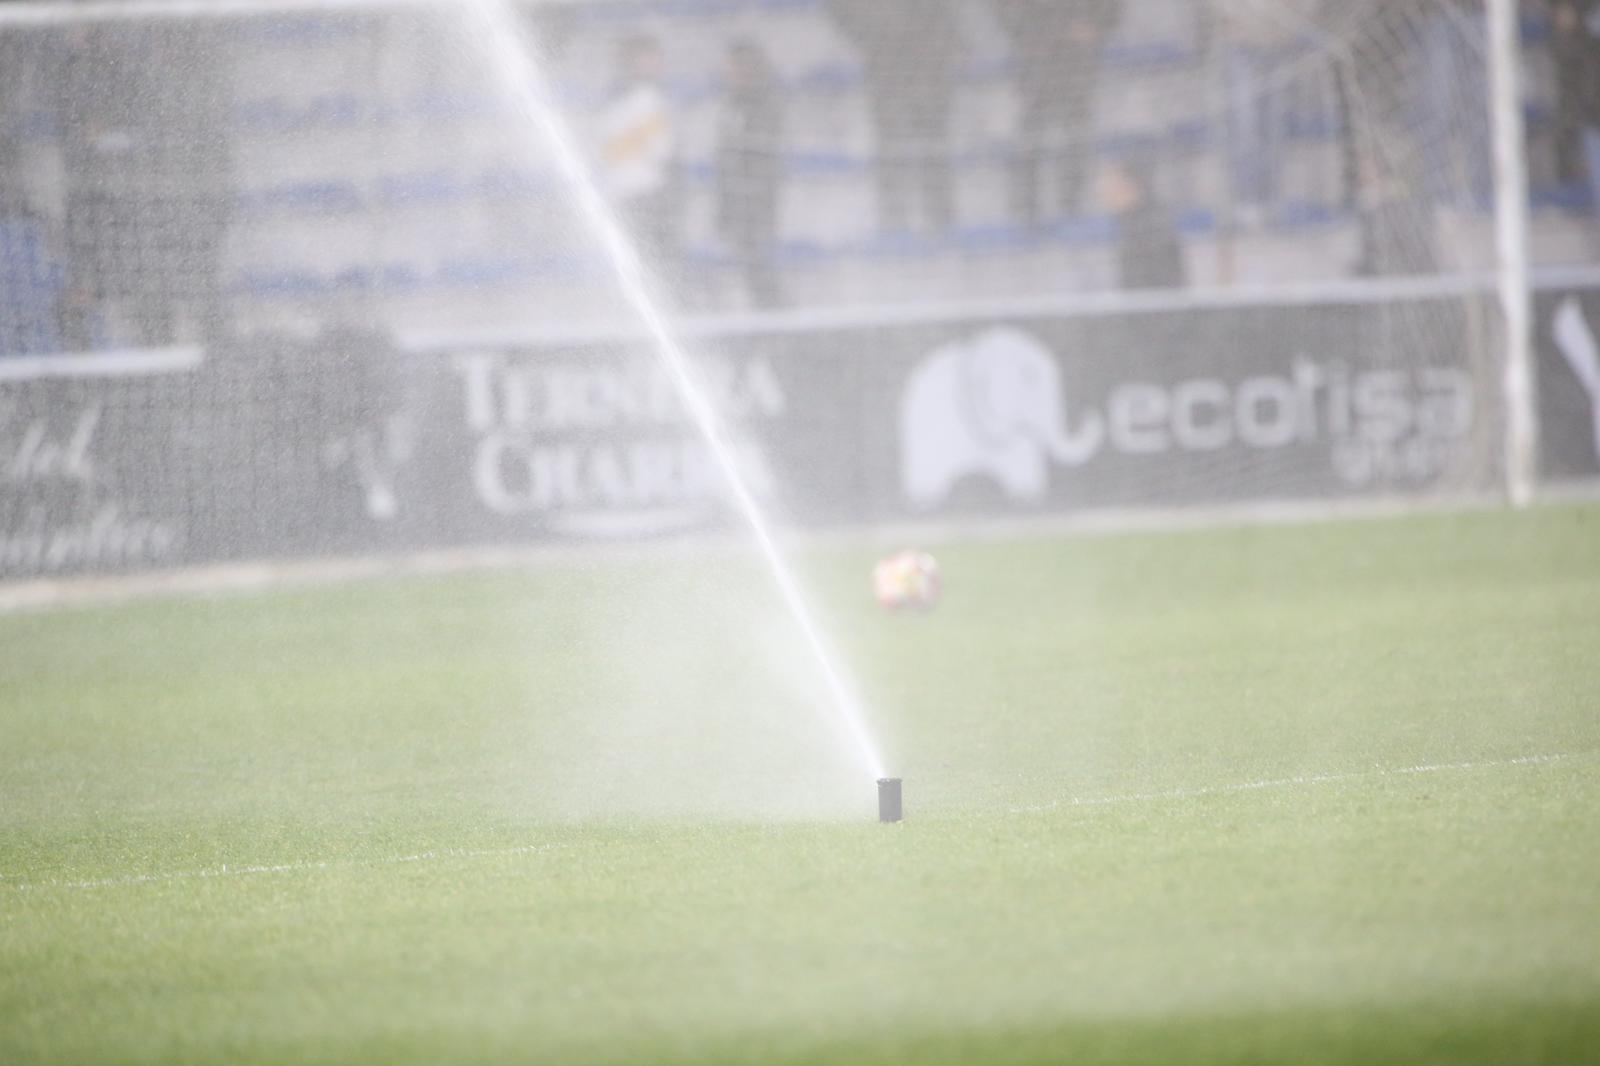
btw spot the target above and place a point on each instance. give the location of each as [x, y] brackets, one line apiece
[1317, 794]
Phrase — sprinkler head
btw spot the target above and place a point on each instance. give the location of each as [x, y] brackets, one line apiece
[888, 799]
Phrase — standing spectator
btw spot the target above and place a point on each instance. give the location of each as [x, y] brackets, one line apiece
[552, 27]
[188, 201]
[1566, 58]
[115, 288]
[1254, 35]
[749, 166]
[148, 181]
[1385, 155]
[1454, 98]
[638, 154]
[1577, 26]
[29, 278]
[910, 50]
[1399, 235]
[1149, 249]
[1055, 47]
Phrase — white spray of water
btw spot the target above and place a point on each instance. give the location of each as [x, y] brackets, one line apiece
[495, 27]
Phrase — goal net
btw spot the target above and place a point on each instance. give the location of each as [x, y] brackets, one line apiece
[286, 279]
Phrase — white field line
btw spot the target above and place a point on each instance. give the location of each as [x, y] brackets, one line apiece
[1291, 782]
[237, 870]
[227, 870]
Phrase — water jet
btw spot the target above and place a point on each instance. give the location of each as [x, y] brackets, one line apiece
[514, 58]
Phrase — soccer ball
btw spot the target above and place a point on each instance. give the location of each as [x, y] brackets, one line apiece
[907, 581]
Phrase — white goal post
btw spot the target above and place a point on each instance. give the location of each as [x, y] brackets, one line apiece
[1511, 210]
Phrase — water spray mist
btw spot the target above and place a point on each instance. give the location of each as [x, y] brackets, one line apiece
[513, 57]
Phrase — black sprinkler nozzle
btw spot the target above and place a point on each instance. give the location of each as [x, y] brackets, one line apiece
[889, 799]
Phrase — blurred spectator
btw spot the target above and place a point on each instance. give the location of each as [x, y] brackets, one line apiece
[1396, 212]
[749, 167]
[552, 28]
[20, 233]
[1149, 249]
[102, 89]
[29, 278]
[1577, 27]
[910, 50]
[1055, 47]
[1566, 58]
[190, 197]
[148, 182]
[1254, 37]
[638, 155]
[1388, 165]
[1454, 101]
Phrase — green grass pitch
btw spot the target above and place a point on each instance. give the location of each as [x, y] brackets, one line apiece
[1316, 794]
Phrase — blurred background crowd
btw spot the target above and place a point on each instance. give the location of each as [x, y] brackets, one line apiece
[162, 180]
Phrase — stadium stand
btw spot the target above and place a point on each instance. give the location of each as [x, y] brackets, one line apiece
[363, 172]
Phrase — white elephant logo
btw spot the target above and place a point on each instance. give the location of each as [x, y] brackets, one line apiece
[990, 406]
[1577, 343]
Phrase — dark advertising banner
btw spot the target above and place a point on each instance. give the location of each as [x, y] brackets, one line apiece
[1161, 409]
[1016, 416]
[85, 482]
[348, 445]
[596, 442]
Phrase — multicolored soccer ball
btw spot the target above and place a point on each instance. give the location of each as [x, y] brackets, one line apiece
[907, 581]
